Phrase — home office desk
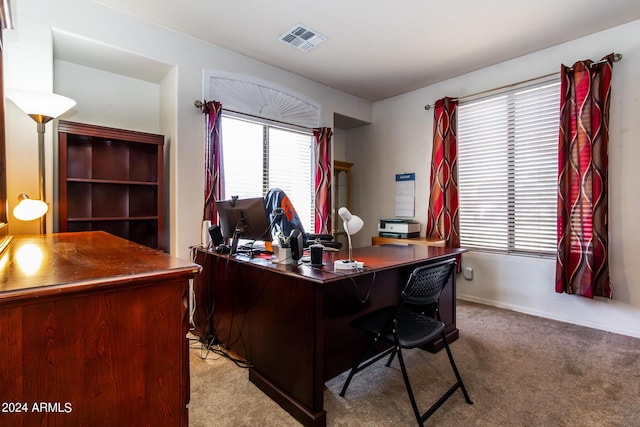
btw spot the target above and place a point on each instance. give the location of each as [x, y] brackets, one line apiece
[292, 322]
[92, 332]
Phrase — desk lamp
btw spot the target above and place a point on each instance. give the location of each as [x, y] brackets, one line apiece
[41, 107]
[28, 209]
[351, 224]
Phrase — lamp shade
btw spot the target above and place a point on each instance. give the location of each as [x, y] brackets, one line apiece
[40, 104]
[28, 209]
[352, 223]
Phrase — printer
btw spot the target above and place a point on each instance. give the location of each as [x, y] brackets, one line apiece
[398, 228]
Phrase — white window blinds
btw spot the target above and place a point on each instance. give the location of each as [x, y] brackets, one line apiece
[291, 169]
[242, 158]
[258, 157]
[507, 170]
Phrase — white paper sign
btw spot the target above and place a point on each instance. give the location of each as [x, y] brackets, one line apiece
[405, 194]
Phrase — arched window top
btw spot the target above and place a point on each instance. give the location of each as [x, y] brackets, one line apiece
[258, 98]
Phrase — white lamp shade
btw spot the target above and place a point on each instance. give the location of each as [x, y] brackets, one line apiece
[28, 209]
[49, 105]
[352, 223]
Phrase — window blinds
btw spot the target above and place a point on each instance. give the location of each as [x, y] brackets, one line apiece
[507, 170]
[291, 169]
[258, 157]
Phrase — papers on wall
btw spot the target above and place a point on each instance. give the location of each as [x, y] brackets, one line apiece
[405, 194]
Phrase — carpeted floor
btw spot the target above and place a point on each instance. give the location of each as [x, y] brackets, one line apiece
[520, 370]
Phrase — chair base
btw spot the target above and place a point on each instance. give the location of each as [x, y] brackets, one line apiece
[420, 417]
[440, 401]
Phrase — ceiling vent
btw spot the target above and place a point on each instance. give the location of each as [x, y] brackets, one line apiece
[302, 38]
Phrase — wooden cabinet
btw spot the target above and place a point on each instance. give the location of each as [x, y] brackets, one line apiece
[111, 180]
[342, 197]
[5, 238]
[94, 328]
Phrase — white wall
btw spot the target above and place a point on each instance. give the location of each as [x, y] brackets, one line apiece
[29, 65]
[109, 99]
[400, 138]
[339, 144]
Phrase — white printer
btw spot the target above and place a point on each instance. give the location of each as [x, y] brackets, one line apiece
[398, 228]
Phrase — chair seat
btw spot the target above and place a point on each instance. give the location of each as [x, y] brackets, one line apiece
[414, 329]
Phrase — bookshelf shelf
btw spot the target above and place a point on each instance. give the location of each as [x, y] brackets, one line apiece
[111, 180]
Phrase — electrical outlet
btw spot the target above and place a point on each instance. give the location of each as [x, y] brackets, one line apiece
[467, 273]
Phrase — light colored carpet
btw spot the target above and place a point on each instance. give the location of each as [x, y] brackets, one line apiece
[520, 370]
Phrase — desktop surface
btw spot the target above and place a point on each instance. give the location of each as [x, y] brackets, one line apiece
[375, 258]
[61, 262]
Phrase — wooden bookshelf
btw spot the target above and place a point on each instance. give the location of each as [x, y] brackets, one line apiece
[111, 180]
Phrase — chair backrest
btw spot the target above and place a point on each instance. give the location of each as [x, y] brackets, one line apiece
[289, 220]
[426, 282]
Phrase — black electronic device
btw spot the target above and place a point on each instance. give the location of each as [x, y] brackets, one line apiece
[216, 235]
[243, 219]
[296, 242]
[316, 254]
[222, 249]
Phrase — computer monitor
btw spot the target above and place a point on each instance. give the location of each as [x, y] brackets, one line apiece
[243, 219]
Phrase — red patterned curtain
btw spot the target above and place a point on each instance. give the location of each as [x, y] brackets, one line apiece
[582, 265]
[442, 217]
[323, 180]
[214, 183]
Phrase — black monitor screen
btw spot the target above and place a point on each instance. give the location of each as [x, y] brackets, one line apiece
[248, 216]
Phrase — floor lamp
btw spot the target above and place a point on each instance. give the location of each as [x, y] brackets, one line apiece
[41, 107]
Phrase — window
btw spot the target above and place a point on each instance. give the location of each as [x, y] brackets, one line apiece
[507, 170]
[258, 157]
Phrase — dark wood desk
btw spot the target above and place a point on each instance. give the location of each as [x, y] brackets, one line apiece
[92, 332]
[292, 322]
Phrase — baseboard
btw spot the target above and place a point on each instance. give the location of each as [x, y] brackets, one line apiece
[552, 316]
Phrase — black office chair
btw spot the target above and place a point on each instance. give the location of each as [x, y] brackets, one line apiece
[406, 326]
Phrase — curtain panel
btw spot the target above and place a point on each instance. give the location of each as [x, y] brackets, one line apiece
[443, 221]
[323, 174]
[213, 167]
[582, 265]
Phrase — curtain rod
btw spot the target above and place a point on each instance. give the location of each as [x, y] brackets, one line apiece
[617, 57]
[199, 104]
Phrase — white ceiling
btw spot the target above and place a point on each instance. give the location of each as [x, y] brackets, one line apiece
[377, 49]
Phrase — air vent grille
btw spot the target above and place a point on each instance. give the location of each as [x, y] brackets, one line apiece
[302, 38]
